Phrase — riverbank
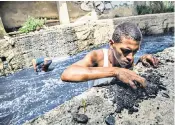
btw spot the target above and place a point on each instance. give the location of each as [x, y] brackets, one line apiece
[98, 103]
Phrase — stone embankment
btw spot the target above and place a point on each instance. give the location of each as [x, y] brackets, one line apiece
[119, 104]
[66, 40]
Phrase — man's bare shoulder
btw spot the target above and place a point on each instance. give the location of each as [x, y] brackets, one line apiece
[96, 54]
[91, 59]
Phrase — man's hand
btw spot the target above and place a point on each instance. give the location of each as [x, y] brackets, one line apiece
[129, 77]
[149, 60]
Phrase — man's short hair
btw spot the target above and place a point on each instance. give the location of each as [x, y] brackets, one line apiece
[128, 30]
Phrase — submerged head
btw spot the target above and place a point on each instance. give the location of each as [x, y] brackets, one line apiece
[125, 42]
[46, 65]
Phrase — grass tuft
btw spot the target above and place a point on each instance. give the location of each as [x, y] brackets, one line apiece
[32, 24]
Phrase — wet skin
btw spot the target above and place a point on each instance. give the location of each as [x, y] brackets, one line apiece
[120, 60]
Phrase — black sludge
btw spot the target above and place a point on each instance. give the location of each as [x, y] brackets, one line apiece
[123, 96]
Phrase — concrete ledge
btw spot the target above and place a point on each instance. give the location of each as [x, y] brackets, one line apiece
[65, 40]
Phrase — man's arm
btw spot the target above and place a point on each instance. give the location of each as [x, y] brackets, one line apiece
[34, 64]
[83, 70]
[76, 73]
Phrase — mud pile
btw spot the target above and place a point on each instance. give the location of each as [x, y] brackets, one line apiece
[124, 96]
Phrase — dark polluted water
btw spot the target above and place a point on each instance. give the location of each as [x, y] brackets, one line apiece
[26, 95]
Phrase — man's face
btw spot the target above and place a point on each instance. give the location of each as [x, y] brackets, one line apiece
[124, 51]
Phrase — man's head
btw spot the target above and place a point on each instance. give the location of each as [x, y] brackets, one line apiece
[125, 42]
[46, 64]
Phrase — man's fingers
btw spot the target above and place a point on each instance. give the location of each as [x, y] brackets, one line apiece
[140, 80]
[153, 60]
[145, 63]
[156, 62]
[137, 78]
[131, 83]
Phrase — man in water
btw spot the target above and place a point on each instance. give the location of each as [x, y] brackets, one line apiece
[41, 64]
[117, 61]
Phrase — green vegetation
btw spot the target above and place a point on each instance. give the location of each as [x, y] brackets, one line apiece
[32, 24]
[84, 105]
[156, 7]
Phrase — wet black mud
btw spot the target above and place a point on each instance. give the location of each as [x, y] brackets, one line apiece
[124, 97]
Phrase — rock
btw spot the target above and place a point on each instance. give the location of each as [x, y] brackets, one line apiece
[158, 118]
[80, 118]
[100, 6]
[165, 95]
[131, 110]
[163, 87]
[87, 6]
[110, 120]
[136, 105]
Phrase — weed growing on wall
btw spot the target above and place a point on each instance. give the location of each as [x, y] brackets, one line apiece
[32, 24]
[156, 7]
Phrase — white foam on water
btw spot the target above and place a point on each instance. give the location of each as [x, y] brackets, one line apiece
[56, 59]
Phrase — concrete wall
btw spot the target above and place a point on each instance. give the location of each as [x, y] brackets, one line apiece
[15, 13]
[64, 40]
